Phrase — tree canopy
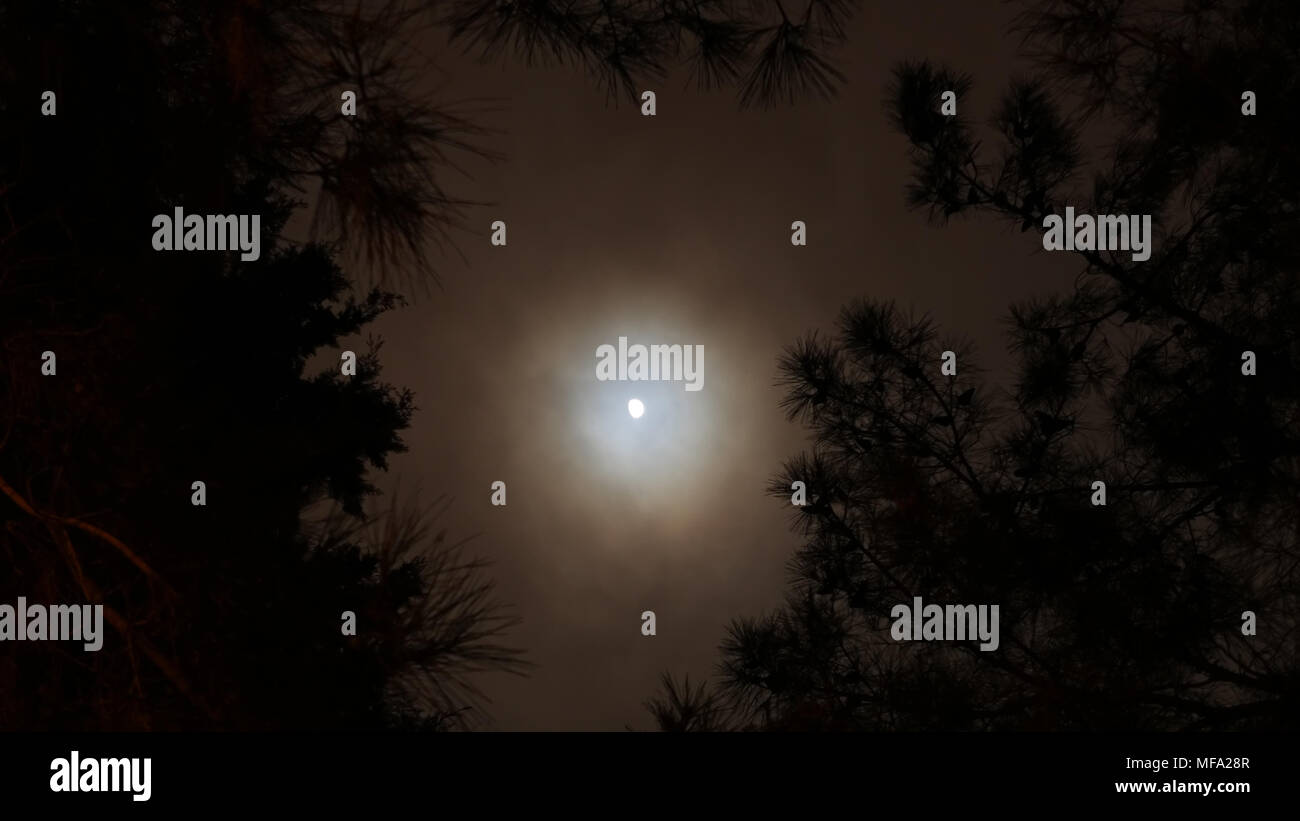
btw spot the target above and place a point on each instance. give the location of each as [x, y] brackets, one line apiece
[1127, 615]
[174, 368]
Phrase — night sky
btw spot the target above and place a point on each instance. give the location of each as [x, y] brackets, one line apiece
[668, 229]
[287, 540]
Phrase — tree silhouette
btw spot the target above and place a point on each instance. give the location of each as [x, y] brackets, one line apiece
[430, 615]
[1127, 615]
[181, 367]
[773, 54]
[682, 708]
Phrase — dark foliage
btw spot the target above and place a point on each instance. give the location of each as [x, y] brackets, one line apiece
[177, 367]
[1126, 616]
[771, 53]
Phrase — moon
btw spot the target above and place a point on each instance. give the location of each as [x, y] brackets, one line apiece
[635, 407]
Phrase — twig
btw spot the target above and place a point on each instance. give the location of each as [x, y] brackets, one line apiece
[89, 528]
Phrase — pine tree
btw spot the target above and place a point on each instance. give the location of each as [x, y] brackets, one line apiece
[1126, 615]
[176, 367]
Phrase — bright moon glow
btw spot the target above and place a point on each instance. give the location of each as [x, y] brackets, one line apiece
[636, 408]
